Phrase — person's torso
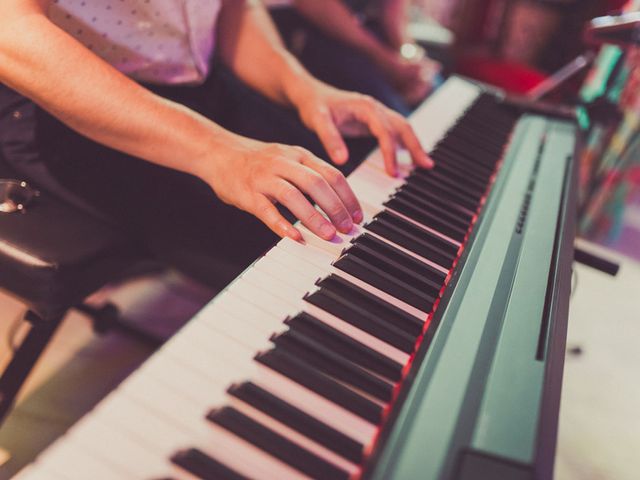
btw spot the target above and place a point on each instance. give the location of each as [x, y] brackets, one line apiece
[156, 41]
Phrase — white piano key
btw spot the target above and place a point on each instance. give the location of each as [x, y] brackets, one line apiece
[306, 253]
[200, 358]
[335, 246]
[302, 268]
[270, 283]
[146, 425]
[36, 471]
[239, 308]
[242, 333]
[190, 381]
[262, 299]
[106, 442]
[213, 440]
[270, 265]
[63, 461]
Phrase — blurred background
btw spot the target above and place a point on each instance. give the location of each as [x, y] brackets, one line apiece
[516, 44]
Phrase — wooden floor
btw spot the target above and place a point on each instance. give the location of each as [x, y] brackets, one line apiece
[599, 435]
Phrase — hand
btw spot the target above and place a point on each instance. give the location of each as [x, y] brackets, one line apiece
[418, 88]
[253, 175]
[332, 113]
[412, 77]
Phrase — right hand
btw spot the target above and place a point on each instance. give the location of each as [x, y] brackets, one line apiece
[413, 78]
[253, 176]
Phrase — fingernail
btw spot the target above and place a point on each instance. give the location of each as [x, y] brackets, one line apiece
[292, 233]
[328, 231]
[357, 216]
[346, 226]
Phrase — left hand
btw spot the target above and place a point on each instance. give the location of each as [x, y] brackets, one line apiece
[332, 113]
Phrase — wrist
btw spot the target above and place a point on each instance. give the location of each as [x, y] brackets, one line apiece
[298, 85]
[212, 152]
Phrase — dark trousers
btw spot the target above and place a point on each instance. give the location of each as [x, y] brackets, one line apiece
[177, 217]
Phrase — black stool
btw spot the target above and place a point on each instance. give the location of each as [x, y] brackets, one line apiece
[52, 256]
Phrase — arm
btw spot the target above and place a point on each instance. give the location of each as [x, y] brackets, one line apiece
[394, 20]
[412, 77]
[106, 106]
[335, 19]
[250, 45]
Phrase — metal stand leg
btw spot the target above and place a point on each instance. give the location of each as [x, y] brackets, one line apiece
[24, 359]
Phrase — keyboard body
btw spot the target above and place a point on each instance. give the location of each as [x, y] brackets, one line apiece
[262, 382]
[485, 398]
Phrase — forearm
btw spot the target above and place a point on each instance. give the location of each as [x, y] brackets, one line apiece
[250, 45]
[66, 79]
[394, 18]
[335, 19]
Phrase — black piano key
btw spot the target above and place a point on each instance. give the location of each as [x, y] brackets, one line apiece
[367, 301]
[473, 133]
[201, 465]
[490, 140]
[425, 272]
[304, 374]
[426, 196]
[298, 420]
[367, 270]
[448, 214]
[457, 176]
[333, 364]
[430, 240]
[454, 170]
[495, 125]
[430, 185]
[470, 151]
[346, 310]
[484, 161]
[455, 161]
[426, 218]
[275, 444]
[412, 242]
[494, 143]
[349, 348]
[462, 185]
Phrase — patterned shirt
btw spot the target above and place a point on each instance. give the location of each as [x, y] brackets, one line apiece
[155, 41]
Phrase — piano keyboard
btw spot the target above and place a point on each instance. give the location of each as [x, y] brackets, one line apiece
[295, 370]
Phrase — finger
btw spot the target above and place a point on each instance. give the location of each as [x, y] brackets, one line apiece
[289, 196]
[313, 184]
[330, 138]
[266, 212]
[379, 129]
[410, 141]
[338, 182]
